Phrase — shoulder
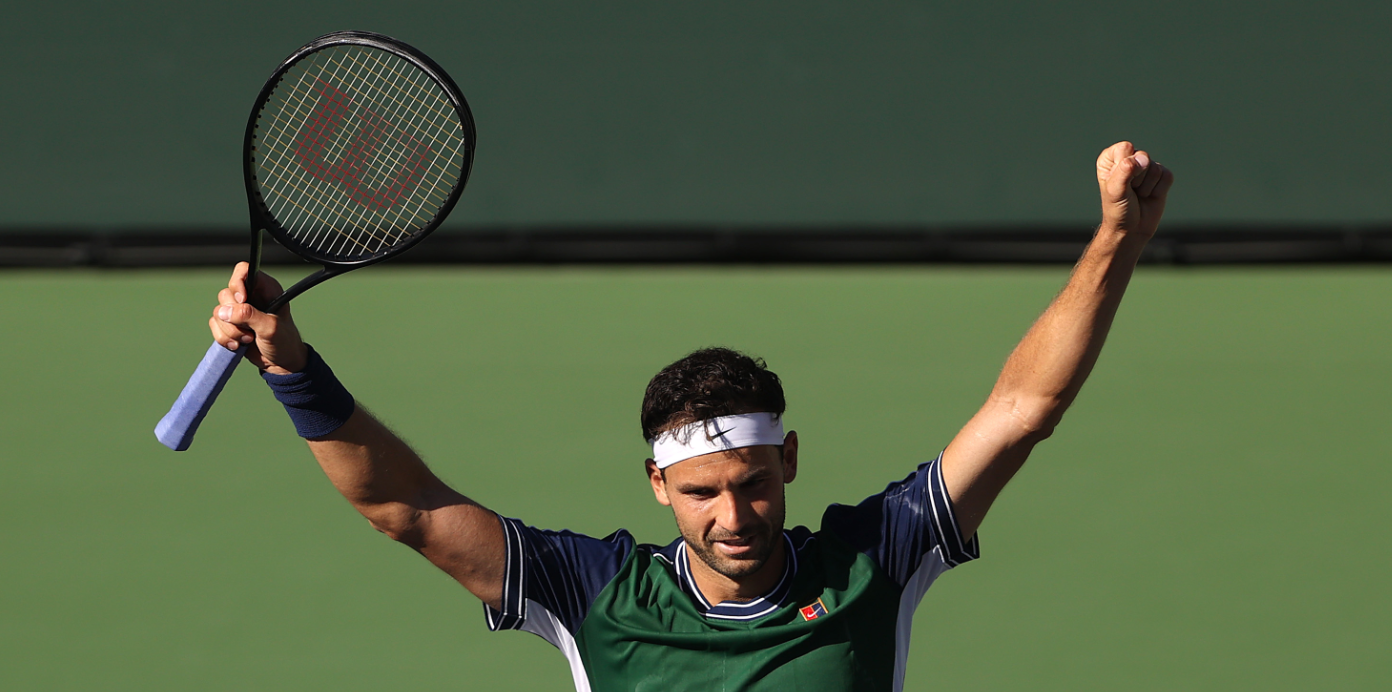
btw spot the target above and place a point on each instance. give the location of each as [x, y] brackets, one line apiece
[663, 553]
[560, 572]
[908, 519]
[565, 546]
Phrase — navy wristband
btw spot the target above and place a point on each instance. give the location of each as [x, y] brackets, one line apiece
[317, 402]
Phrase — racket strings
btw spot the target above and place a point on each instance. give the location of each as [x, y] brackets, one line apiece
[421, 85]
[428, 124]
[312, 202]
[279, 181]
[305, 107]
[303, 102]
[301, 116]
[357, 150]
[440, 120]
[393, 159]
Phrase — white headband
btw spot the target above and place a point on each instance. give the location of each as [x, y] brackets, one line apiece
[717, 435]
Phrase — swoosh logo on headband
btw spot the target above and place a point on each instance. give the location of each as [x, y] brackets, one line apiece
[720, 433]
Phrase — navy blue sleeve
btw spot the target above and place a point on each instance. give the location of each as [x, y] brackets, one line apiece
[910, 519]
[559, 571]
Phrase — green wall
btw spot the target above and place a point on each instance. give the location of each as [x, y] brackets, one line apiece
[813, 112]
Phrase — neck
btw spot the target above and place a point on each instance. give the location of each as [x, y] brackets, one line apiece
[717, 587]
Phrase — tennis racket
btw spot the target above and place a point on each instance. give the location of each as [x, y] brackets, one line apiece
[358, 147]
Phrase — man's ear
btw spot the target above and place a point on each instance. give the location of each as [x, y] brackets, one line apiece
[659, 484]
[790, 449]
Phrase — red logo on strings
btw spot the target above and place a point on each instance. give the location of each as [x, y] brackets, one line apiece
[374, 135]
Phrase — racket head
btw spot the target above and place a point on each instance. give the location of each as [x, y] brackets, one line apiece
[358, 147]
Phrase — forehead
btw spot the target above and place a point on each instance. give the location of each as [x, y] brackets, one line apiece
[726, 465]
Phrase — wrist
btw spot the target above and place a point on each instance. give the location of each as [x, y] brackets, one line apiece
[315, 400]
[1123, 231]
[289, 363]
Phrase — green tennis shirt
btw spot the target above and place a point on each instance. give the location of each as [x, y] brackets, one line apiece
[629, 616]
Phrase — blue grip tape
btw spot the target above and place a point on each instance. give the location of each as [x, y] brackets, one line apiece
[177, 427]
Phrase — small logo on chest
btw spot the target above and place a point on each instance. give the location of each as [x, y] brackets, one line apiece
[814, 611]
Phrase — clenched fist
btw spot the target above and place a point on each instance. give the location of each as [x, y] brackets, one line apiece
[1133, 189]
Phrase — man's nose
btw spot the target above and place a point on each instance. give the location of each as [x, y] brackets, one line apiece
[735, 514]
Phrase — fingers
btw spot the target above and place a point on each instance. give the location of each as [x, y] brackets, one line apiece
[224, 332]
[1119, 178]
[1146, 175]
[227, 297]
[1151, 180]
[267, 289]
[234, 324]
[236, 286]
[228, 335]
[246, 317]
[1138, 172]
[1162, 188]
[273, 343]
[1122, 162]
[1111, 157]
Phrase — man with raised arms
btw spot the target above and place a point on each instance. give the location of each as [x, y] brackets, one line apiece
[738, 601]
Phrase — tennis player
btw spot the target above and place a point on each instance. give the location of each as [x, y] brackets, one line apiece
[738, 601]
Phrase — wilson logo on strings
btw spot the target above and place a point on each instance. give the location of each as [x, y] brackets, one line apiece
[378, 164]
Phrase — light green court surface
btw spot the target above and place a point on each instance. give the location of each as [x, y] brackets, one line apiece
[1213, 514]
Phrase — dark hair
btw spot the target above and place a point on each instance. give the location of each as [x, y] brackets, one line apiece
[706, 384]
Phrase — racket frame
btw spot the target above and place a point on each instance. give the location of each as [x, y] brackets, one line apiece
[263, 222]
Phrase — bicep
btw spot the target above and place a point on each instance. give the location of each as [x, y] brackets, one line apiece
[983, 457]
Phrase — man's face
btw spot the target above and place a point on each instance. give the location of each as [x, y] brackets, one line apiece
[730, 506]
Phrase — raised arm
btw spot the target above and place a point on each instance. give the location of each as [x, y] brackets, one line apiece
[375, 470]
[1047, 369]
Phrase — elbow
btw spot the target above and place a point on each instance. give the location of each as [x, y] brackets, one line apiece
[1035, 417]
[399, 521]
[1042, 432]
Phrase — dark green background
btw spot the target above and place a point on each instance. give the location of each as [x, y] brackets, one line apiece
[1212, 514]
[129, 115]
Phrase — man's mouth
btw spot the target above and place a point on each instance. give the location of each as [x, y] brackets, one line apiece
[735, 547]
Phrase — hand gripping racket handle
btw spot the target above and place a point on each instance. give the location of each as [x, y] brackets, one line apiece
[177, 427]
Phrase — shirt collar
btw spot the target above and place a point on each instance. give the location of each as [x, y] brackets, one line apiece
[738, 610]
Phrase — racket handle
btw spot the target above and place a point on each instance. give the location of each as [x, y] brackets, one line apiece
[177, 427]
